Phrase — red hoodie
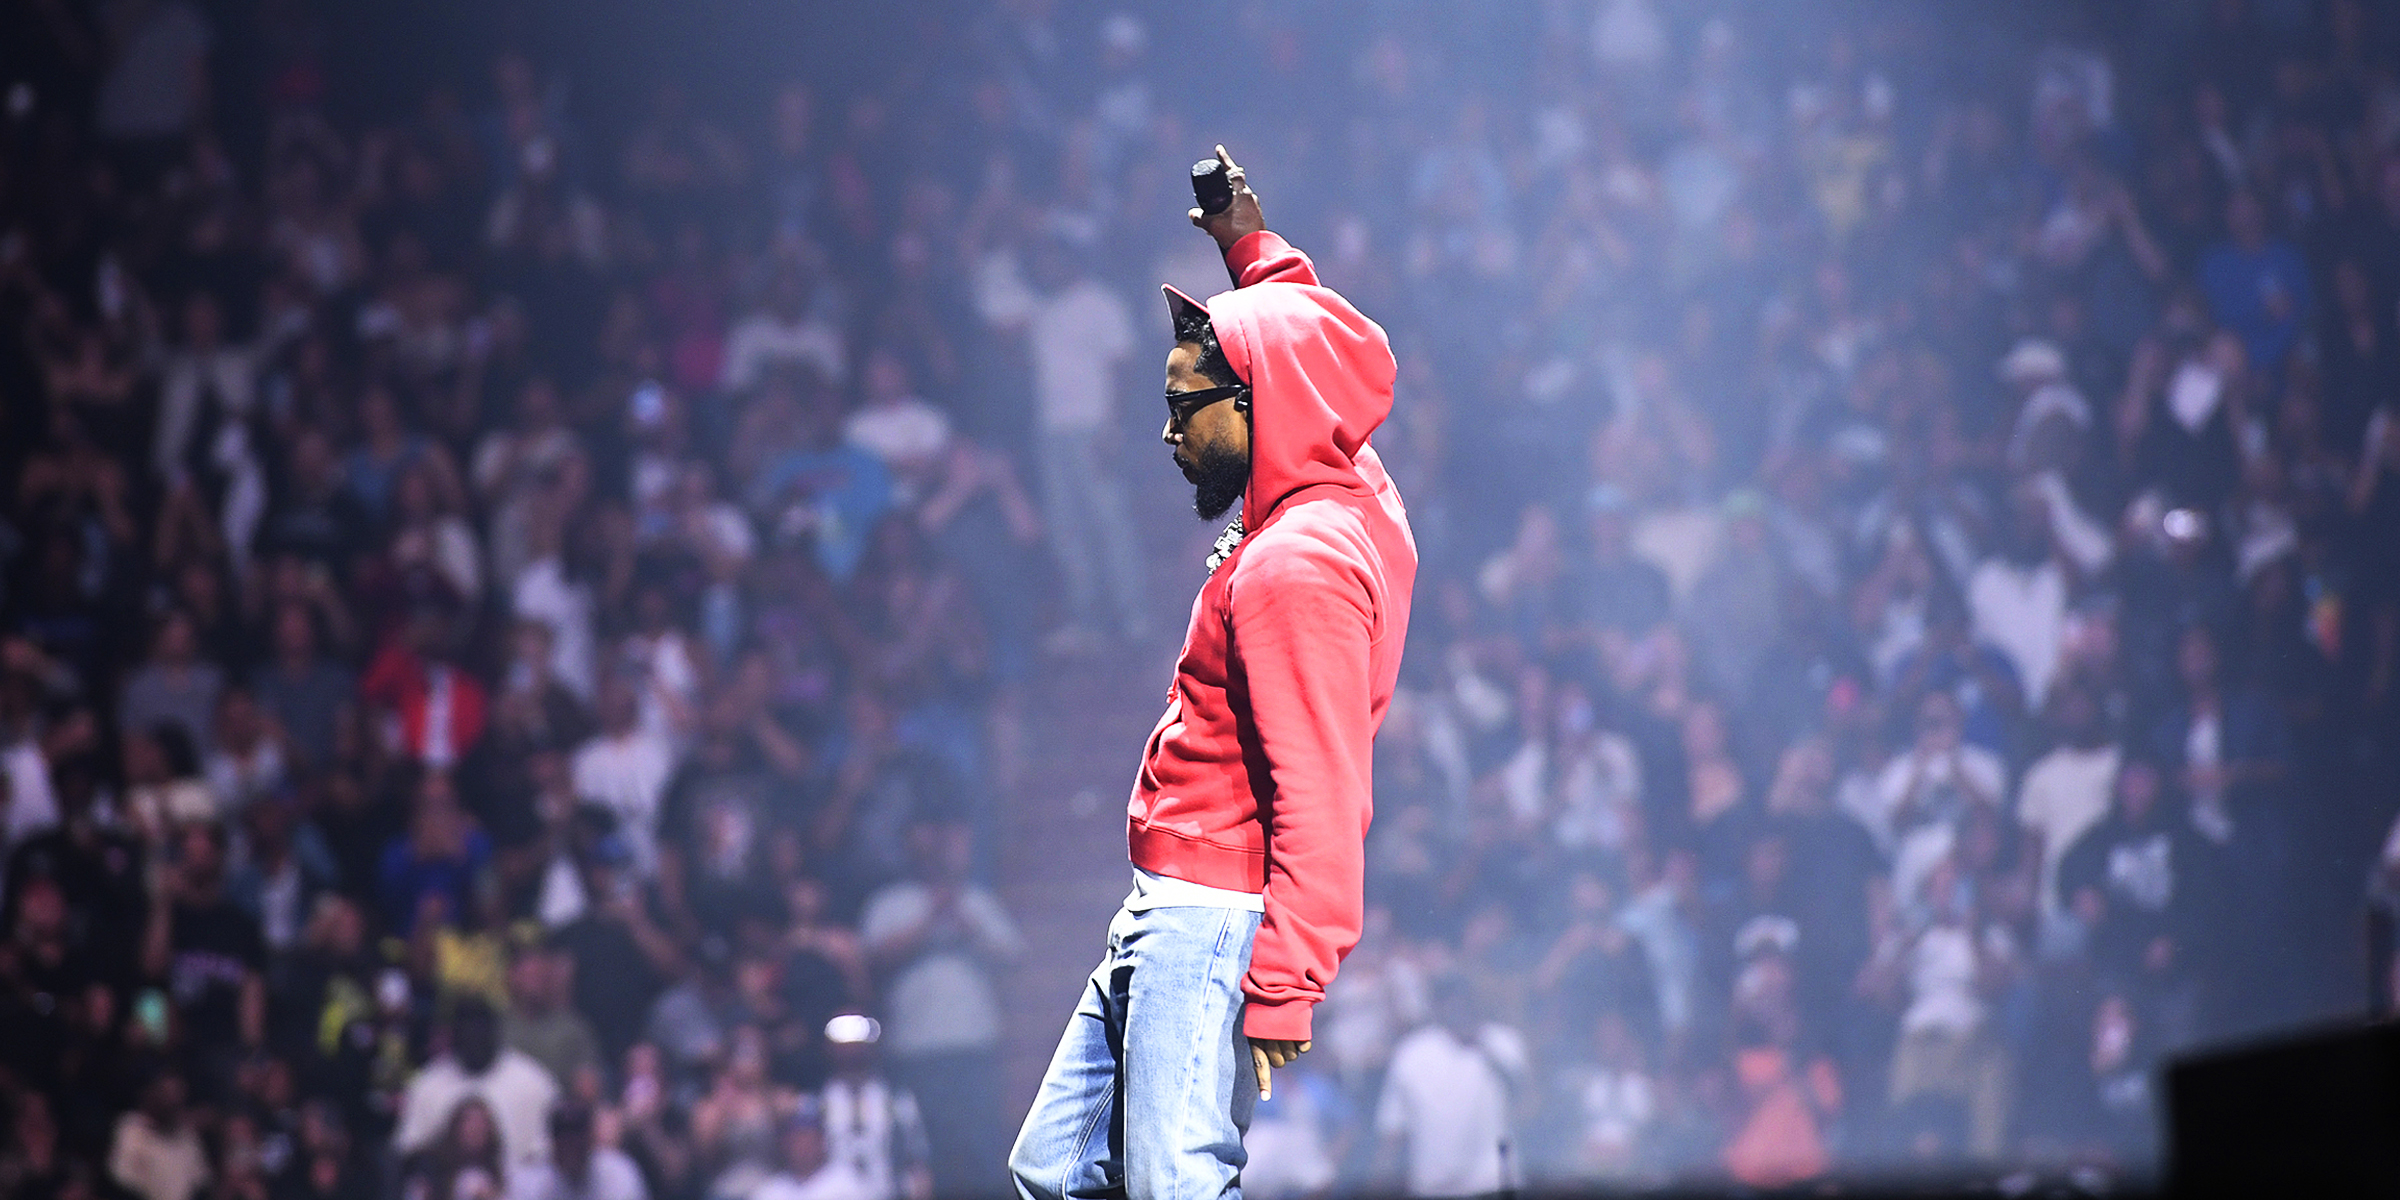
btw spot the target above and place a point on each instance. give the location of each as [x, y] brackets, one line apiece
[1259, 778]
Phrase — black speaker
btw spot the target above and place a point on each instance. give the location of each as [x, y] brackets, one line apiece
[2318, 1113]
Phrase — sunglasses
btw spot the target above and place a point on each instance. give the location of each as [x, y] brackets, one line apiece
[1181, 405]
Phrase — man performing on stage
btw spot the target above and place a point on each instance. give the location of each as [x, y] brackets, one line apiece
[1248, 819]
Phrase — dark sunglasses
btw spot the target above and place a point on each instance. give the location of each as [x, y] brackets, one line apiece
[1181, 405]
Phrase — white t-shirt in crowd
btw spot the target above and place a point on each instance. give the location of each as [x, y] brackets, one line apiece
[1978, 771]
[1079, 336]
[1681, 542]
[944, 999]
[1448, 1101]
[2065, 793]
[612, 1176]
[1599, 794]
[189, 382]
[2023, 612]
[2204, 747]
[1614, 1108]
[32, 806]
[241, 779]
[671, 681]
[1941, 977]
[516, 1088]
[763, 340]
[544, 593]
[908, 430]
[1076, 337]
[627, 775]
[156, 1165]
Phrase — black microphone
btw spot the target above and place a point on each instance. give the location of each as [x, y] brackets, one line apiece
[1212, 186]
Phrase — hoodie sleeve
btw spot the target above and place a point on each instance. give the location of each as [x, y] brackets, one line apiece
[1302, 625]
[1264, 257]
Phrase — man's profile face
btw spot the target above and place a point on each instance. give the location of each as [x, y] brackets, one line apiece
[1212, 442]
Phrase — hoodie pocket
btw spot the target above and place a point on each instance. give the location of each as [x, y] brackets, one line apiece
[1169, 722]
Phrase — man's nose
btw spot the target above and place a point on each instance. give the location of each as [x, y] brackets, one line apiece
[1168, 435]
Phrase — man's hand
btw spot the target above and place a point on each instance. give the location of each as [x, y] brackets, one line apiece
[1241, 219]
[1268, 1053]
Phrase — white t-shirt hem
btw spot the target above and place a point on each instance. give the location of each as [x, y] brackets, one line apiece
[1151, 890]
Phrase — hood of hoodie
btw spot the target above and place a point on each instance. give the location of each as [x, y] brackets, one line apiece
[1320, 376]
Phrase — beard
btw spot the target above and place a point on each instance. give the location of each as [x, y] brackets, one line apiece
[1218, 477]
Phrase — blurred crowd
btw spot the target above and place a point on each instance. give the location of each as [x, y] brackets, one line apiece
[521, 619]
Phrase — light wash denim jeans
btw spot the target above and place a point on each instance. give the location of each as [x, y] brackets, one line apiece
[1151, 1088]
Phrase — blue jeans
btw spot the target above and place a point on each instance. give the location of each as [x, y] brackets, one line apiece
[1151, 1088]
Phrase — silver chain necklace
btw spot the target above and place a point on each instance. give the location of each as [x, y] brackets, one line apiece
[1226, 541]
